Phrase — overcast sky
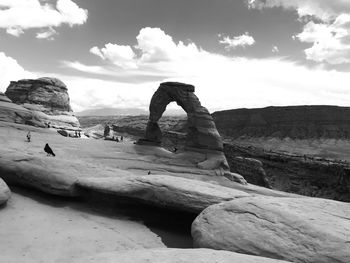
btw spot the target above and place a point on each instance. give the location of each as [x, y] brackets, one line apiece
[238, 53]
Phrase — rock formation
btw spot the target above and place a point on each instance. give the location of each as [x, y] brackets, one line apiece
[50, 94]
[43, 102]
[202, 135]
[201, 130]
[308, 230]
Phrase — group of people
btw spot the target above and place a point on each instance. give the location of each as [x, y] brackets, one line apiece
[117, 139]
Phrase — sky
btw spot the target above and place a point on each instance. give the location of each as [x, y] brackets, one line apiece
[237, 53]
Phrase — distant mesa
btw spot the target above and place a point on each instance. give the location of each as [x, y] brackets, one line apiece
[42, 102]
[296, 122]
[202, 135]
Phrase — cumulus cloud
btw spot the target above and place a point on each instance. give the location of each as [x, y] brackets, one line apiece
[11, 70]
[221, 82]
[19, 15]
[153, 46]
[120, 55]
[328, 34]
[237, 41]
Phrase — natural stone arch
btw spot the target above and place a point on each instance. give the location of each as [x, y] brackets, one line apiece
[201, 131]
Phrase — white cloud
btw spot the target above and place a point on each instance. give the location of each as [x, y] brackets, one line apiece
[329, 36]
[19, 15]
[237, 41]
[221, 82]
[275, 49]
[11, 70]
[119, 55]
[48, 34]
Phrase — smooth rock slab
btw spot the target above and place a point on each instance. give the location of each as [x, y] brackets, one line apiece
[296, 229]
[164, 191]
[168, 255]
[5, 192]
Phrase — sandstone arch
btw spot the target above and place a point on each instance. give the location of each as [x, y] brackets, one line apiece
[201, 133]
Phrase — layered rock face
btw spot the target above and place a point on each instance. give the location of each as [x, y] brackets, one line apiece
[296, 122]
[50, 93]
[43, 102]
[201, 129]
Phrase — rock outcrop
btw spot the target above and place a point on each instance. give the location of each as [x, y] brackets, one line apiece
[307, 230]
[4, 98]
[172, 255]
[201, 130]
[164, 191]
[5, 192]
[202, 135]
[43, 102]
[296, 122]
[251, 169]
[50, 93]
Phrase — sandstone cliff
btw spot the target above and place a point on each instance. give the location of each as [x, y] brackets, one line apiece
[296, 122]
[42, 102]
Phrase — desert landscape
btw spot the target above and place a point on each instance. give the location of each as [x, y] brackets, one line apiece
[174, 131]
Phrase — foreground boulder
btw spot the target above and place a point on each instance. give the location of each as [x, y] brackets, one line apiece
[167, 255]
[42, 102]
[5, 192]
[295, 229]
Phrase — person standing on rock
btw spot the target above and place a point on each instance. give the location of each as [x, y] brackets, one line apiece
[28, 136]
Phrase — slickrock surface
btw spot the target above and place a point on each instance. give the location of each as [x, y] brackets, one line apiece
[167, 255]
[5, 192]
[165, 191]
[299, 230]
[42, 102]
[23, 163]
[41, 228]
[4, 98]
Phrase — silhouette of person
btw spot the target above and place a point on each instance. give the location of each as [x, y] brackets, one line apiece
[121, 138]
[28, 136]
[149, 172]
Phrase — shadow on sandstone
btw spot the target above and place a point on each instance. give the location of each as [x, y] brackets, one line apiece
[173, 227]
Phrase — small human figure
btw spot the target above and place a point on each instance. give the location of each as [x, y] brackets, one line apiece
[76, 134]
[116, 139]
[149, 172]
[175, 150]
[79, 134]
[28, 136]
[106, 131]
[48, 150]
[121, 138]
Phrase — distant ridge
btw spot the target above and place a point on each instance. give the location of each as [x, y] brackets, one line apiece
[123, 112]
[111, 112]
[296, 122]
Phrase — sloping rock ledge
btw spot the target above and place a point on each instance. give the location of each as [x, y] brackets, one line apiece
[168, 255]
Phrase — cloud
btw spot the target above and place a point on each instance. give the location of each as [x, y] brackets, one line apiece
[11, 70]
[48, 34]
[326, 26]
[19, 15]
[119, 55]
[275, 49]
[153, 46]
[237, 41]
[221, 82]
